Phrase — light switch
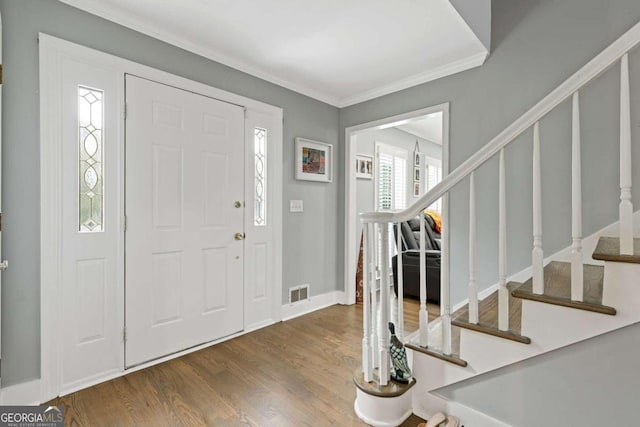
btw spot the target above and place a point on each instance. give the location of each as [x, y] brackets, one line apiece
[295, 206]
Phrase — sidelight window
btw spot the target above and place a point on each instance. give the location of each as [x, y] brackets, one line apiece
[90, 135]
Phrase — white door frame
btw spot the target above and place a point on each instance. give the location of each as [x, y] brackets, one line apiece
[1, 185]
[351, 215]
[52, 52]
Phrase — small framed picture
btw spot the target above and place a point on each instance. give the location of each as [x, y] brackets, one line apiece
[364, 166]
[416, 158]
[416, 175]
[314, 160]
[416, 189]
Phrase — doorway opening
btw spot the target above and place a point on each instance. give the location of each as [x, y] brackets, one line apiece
[419, 137]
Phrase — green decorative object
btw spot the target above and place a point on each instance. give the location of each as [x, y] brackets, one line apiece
[401, 371]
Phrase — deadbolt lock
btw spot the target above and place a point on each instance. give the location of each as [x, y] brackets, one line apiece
[239, 236]
[238, 204]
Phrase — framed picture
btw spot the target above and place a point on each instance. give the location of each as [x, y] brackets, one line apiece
[364, 166]
[416, 158]
[416, 189]
[416, 175]
[314, 160]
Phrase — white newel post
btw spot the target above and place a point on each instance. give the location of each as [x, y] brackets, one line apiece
[400, 325]
[473, 287]
[423, 316]
[445, 289]
[537, 255]
[367, 363]
[373, 232]
[503, 292]
[383, 339]
[626, 206]
[576, 204]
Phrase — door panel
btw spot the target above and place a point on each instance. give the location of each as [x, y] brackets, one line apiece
[91, 315]
[184, 173]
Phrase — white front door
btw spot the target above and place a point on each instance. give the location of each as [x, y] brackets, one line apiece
[184, 219]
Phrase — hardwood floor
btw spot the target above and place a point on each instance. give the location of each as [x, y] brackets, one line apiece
[294, 373]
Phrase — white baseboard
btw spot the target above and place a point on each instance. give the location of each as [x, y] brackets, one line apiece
[317, 302]
[27, 393]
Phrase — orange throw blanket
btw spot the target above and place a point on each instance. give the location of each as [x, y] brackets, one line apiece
[437, 219]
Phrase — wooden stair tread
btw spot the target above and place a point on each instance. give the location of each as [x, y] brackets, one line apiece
[492, 330]
[608, 249]
[452, 358]
[557, 288]
[392, 389]
[434, 343]
[488, 317]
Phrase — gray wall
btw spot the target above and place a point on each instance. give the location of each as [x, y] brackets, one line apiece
[537, 44]
[592, 383]
[310, 260]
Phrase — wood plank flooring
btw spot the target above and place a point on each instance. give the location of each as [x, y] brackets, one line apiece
[295, 373]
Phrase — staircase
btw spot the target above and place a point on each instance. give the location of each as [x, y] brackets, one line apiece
[563, 299]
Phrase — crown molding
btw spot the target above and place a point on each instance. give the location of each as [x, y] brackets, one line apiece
[106, 11]
[427, 76]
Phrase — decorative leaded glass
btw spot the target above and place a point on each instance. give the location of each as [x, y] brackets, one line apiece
[90, 199]
[260, 180]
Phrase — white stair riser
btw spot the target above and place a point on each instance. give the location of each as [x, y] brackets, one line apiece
[622, 288]
[549, 326]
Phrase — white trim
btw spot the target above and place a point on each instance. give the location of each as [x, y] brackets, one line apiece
[0, 178]
[314, 303]
[106, 11]
[52, 49]
[27, 393]
[351, 220]
[445, 70]
[580, 78]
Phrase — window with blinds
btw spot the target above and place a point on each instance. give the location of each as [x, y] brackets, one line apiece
[391, 184]
[392, 180]
[433, 175]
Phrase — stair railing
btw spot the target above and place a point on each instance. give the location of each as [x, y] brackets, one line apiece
[375, 351]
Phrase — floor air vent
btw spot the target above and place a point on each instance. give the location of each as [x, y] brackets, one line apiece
[299, 293]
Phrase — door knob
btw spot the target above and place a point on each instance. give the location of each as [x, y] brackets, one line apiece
[239, 236]
[238, 204]
[4, 265]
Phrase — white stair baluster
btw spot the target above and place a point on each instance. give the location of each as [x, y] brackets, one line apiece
[373, 242]
[445, 290]
[626, 206]
[400, 324]
[423, 316]
[537, 255]
[383, 338]
[576, 204]
[473, 287]
[367, 365]
[503, 292]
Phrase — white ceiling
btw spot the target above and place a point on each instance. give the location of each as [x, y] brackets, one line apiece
[340, 52]
[428, 127]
